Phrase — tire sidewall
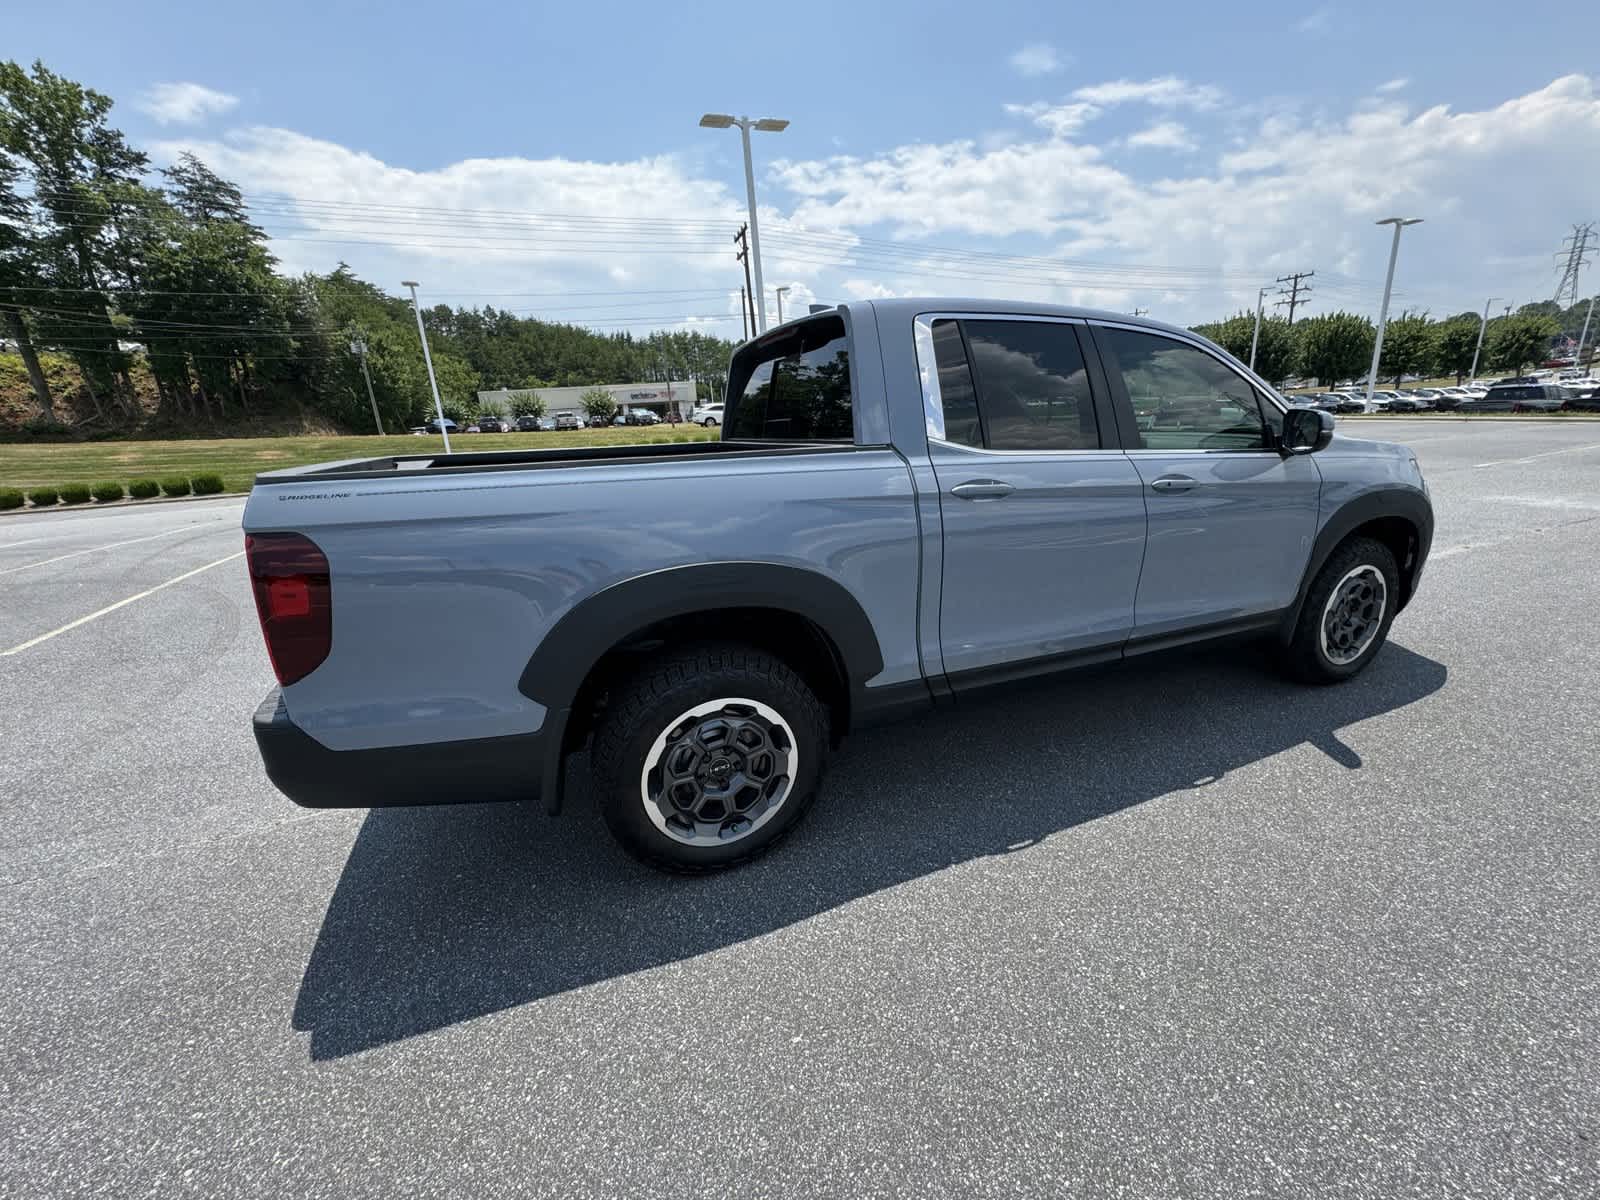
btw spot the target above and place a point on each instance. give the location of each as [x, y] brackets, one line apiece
[622, 804]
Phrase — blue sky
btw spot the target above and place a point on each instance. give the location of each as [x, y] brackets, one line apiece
[1165, 156]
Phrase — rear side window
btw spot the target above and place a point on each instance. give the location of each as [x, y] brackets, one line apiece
[1014, 385]
[795, 388]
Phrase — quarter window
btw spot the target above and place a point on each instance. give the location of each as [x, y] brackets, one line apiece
[1182, 397]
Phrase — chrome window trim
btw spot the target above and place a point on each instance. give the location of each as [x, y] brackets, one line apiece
[933, 399]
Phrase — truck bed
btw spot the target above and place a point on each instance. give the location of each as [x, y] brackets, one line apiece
[402, 465]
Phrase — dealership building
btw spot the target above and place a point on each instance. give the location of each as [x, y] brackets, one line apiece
[660, 398]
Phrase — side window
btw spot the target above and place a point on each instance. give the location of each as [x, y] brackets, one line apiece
[798, 389]
[1183, 399]
[956, 393]
[1033, 389]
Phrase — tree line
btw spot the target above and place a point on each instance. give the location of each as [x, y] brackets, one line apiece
[158, 278]
[1337, 346]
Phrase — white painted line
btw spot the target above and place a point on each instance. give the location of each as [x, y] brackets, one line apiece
[45, 562]
[14, 545]
[111, 608]
[1501, 462]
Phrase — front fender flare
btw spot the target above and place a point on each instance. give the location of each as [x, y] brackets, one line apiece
[1407, 503]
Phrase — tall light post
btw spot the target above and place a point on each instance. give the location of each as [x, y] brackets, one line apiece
[1577, 358]
[438, 406]
[745, 124]
[1255, 337]
[358, 347]
[1478, 349]
[1399, 223]
[780, 292]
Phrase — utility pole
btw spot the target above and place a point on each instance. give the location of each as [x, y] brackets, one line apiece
[1482, 325]
[358, 347]
[1577, 251]
[781, 291]
[744, 316]
[1141, 312]
[1261, 295]
[742, 240]
[1294, 290]
[438, 405]
[1577, 358]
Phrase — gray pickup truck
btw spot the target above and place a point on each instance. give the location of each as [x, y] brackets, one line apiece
[911, 500]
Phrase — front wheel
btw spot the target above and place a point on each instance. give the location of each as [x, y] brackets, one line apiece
[709, 422]
[708, 756]
[1347, 613]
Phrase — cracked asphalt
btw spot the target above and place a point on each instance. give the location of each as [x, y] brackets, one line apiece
[1174, 929]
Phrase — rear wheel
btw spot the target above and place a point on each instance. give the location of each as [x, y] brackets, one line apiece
[708, 756]
[709, 422]
[1347, 613]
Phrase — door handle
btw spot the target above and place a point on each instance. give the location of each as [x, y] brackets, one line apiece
[1173, 483]
[982, 489]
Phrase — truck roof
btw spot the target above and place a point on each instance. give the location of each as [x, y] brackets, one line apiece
[907, 307]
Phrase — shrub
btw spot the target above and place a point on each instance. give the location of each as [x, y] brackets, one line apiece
[11, 498]
[143, 489]
[175, 485]
[209, 484]
[43, 496]
[75, 493]
[107, 492]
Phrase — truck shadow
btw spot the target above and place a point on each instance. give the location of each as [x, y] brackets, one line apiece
[445, 914]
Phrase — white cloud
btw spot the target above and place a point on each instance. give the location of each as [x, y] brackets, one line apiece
[1317, 21]
[1168, 91]
[184, 103]
[1394, 85]
[1163, 135]
[1036, 58]
[1061, 120]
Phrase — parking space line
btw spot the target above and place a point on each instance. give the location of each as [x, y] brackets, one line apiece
[1502, 462]
[14, 545]
[111, 608]
[45, 562]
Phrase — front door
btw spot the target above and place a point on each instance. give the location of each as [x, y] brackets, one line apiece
[1231, 520]
[1043, 514]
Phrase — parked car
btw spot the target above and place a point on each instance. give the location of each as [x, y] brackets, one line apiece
[568, 420]
[1517, 397]
[1586, 399]
[528, 424]
[1407, 404]
[433, 427]
[492, 424]
[707, 415]
[795, 580]
[642, 416]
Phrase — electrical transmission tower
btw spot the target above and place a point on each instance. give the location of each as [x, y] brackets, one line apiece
[1296, 289]
[1576, 247]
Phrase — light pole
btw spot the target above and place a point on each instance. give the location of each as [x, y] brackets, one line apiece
[780, 292]
[1577, 358]
[1478, 349]
[1399, 223]
[433, 383]
[745, 124]
[358, 347]
[1261, 295]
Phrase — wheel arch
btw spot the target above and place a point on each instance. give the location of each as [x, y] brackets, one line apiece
[810, 621]
[1399, 518]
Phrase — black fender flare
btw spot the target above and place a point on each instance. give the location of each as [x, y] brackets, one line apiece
[586, 632]
[1408, 503]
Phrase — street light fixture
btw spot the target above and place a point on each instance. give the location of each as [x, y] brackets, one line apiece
[1399, 223]
[745, 124]
[433, 383]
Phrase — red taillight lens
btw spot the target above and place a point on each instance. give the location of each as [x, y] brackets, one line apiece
[294, 600]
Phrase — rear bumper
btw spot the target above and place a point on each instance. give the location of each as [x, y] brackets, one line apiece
[470, 772]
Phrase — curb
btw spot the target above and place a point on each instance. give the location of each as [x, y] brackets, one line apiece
[97, 506]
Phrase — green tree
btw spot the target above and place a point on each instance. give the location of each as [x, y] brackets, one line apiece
[1516, 341]
[1455, 344]
[1410, 344]
[527, 404]
[598, 405]
[19, 280]
[1334, 346]
[1275, 348]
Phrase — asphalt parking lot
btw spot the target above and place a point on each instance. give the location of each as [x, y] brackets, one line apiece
[1175, 929]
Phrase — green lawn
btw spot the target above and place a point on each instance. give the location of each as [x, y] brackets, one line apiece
[238, 460]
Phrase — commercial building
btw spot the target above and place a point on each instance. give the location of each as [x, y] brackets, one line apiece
[660, 398]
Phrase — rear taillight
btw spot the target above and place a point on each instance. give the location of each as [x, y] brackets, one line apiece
[294, 600]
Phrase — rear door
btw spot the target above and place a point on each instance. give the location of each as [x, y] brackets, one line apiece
[1043, 514]
[1231, 520]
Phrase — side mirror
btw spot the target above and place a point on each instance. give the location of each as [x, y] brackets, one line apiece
[1306, 430]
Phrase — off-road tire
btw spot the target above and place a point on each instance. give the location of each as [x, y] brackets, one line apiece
[1305, 657]
[640, 708]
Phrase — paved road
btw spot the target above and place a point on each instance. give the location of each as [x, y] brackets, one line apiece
[1177, 929]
